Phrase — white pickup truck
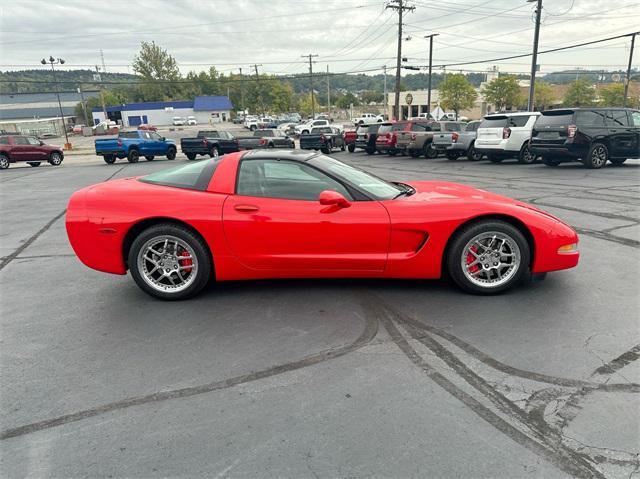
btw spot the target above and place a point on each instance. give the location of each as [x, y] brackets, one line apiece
[257, 123]
[368, 119]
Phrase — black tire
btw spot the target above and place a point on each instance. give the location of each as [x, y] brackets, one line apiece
[370, 151]
[33, 163]
[253, 128]
[133, 156]
[149, 157]
[191, 156]
[550, 161]
[453, 155]
[109, 159]
[351, 148]
[327, 149]
[525, 157]
[55, 158]
[473, 154]
[4, 162]
[415, 153]
[429, 151]
[392, 152]
[214, 152]
[617, 161]
[597, 156]
[494, 158]
[458, 243]
[171, 153]
[270, 145]
[203, 256]
[342, 148]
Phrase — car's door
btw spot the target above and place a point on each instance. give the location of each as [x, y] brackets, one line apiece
[275, 221]
[634, 127]
[158, 145]
[622, 139]
[22, 150]
[35, 150]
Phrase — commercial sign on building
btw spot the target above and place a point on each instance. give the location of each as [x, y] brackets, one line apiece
[409, 98]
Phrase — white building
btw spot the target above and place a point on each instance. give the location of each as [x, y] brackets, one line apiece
[206, 110]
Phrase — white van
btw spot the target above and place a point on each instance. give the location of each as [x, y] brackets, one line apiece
[506, 135]
[179, 121]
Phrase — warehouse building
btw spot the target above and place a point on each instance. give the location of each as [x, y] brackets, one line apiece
[205, 109]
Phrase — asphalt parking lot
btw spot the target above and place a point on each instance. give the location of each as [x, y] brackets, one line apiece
[323, 378]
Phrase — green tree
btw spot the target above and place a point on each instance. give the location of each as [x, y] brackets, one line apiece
[612, 95]
[543, 96]
[502, 92]
[579, 93]
[304, 103]
[457, 94]
[371, 96]
[159, 72]
[345, 101]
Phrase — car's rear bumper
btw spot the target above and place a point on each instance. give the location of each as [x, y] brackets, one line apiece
[559, 149]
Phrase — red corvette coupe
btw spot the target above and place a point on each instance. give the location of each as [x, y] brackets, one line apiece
[294, 214]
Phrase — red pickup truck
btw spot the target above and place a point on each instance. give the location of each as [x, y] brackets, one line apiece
[14, 148]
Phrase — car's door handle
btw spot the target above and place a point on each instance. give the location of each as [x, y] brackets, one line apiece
[246, 208]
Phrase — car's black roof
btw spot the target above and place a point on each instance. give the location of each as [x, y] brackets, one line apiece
[293, 155]
[566, 111]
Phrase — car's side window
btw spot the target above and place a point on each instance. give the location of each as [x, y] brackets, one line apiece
[589, 118]
[517, 121]
[617, 118]
[289, 180]
[635, 118]
[20, 140]
[4, 140]
[418, 127]
[33, 141]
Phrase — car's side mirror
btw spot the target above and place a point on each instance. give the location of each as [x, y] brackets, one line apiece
[163, 138]
[333, 198]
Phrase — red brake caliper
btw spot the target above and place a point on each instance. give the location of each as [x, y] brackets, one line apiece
[185, 262]
[471, 258]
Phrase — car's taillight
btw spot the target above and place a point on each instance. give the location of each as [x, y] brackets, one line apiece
[413, 136]
[119, 142]
[454, 137]
[506, 133]
[263, 141]
[205, 142]
[571, 131]
[322, 138]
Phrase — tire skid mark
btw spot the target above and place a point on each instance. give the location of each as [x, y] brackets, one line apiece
[609, 216]
[562, 457]
[29, 241]
[620, 362]
[369, 332]
[605, 236]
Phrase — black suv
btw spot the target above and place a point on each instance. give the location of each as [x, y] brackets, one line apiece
[590, 135]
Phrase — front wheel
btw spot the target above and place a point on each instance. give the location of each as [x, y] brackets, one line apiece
[430, 152]
[133, 156]
[597, 156]
[525, 156]
[55, 159]
[4, 162]
[488, 257]
[34, 163]
[171, 154]
[170, 262]
[351, 148]
[149, 157]
[214, 152]
[191, 156]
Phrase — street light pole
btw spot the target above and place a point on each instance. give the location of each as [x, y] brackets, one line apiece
[534, 57]
[430, 37]
[58, 61]
[628, 77]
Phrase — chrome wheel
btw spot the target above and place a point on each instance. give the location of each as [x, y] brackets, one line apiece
[598, 156]
[490, 259]
[167, 264]
[4, 162]
[56, 159]
[214, 153]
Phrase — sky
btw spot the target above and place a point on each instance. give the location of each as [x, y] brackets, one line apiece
[347, 35]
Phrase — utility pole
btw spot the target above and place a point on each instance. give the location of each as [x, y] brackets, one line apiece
[259, 89]
[400, 7]
[534, 57]
[628, 78]
[386, 101]
[99, 79]
[430, 37]
[244, 112]
[328, 94]
[313, 105]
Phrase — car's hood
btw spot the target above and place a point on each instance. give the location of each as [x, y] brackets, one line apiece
[437, 191]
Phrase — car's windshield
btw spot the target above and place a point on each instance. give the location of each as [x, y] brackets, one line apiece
[376, 187]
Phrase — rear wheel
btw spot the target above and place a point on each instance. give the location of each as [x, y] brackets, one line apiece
[170, 262]
[34, 163]
[133, 156]
[597, 156]
[351, 148]
[55, 159]
[429, 151]
[327, 149]
[171, 153]
[453, 155]
[525, 156]
[149, 157]
[488, 257]
[414, 153]
[4, 162]
[473, 154]
[214, 152]
[617, 161]
[191, 156]
[109, 159]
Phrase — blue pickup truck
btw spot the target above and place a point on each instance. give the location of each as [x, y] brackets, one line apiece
[134, 144]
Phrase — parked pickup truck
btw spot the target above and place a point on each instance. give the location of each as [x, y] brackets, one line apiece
[15, 148]
[368, 119]
[324, 138]
[258, 123]
[419, 140]
[455, 144]
[267, 138]
[134, 144]
[209, 142]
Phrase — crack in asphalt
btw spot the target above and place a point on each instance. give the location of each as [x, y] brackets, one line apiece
[369, 332]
